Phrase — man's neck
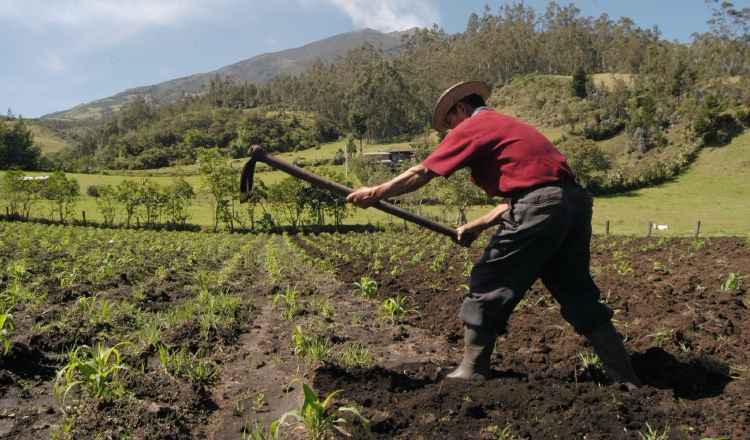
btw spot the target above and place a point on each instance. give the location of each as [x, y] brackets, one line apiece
[478, 109]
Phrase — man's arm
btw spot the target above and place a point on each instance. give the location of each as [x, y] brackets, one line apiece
[470, 231]
[408, 181]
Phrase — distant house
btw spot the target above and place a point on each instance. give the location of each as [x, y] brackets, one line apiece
[393, 155]
[34, 177]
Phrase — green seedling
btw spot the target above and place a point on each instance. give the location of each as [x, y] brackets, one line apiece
[623, 268]
[309, 346]
[357, 355]
[658, 267]
[93, 369]
[6, 325]
[259, 401]
[653, 434]
[260, 432]
[290, 299]
[394, 309]
[732, 282]
[192, 367]
[314, 419]
[368, 287]
[661, 335]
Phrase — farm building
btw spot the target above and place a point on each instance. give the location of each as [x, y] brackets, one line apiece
[393, 155]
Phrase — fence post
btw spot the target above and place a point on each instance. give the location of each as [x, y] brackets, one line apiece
[648, 232]
[697, 228]
[84, 217]
[606, 228]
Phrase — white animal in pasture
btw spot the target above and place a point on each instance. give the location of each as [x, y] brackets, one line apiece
[661, 227]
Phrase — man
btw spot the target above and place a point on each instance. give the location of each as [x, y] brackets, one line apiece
[544, 228]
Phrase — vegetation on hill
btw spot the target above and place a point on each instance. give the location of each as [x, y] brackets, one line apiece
[653, 105]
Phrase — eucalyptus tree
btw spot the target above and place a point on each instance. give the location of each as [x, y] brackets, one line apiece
[219, 181]
[63, 193]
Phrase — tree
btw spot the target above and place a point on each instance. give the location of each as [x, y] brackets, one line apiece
[219, 181]
[284, 196]
[62, 193]
[588, 161]
[129, 197]
[579, 82]
[152, 198]
[106, 203]
[458, 192]
[20, 193]
[178, 197]
[358, 124]
[17, 147]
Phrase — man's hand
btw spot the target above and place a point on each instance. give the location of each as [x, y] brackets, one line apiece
[468, 233]
[363, 197]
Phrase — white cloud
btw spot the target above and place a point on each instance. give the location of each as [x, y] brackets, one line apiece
[388, 15]
[74, 28]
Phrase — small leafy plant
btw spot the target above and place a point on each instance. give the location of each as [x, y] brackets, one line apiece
[623, 268]
[368, 287]
[310, 346]
[93, 369]
[394, 309]
[290, 299]
[6, 325]
[661, 335]
[732, 282]
[191, 366]
[314, 419]
[357, 355]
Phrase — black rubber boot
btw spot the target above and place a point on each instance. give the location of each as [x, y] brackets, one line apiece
[478, 346]
[610, 349]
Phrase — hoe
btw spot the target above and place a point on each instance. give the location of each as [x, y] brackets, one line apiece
[257, 154]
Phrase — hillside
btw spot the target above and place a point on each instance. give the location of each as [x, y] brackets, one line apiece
[258, 69]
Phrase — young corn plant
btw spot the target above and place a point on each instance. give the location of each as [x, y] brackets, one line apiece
[623, 268]
[732, 282]
[313, 416]
[93, 369]
[658, 267]
[368, 287]
[260, 431]
[653, 434]
[357, 355]
[193, 367]
[661, 335]
[290, 300]
[394, 309]
[6, 326]
[310, 346]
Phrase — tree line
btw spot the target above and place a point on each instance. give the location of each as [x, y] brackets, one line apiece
[147, 203]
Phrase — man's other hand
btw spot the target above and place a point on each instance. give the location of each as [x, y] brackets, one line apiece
[363, 197]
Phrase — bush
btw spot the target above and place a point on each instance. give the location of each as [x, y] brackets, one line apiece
[93, 191]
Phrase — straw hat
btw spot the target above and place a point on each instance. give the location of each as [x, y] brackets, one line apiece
[450, 97]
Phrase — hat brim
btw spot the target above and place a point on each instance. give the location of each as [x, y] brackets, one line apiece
[450, 97]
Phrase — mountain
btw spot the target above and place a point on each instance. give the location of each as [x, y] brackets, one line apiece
[259, 69]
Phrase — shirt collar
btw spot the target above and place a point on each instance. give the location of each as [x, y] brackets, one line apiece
[478, 109]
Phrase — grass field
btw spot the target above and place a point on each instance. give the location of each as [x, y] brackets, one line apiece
[715, 190]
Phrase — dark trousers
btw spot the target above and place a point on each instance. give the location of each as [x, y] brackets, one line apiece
[546, 234]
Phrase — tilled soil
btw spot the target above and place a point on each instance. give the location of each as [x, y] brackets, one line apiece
[685, 326]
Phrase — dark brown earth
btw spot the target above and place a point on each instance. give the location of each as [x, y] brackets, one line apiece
[688, 337]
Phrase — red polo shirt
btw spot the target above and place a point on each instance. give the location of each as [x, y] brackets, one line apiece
[505, 155]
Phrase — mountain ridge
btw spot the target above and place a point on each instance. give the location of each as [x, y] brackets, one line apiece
[258, 69]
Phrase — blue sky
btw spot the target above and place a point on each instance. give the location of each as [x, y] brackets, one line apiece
[56, 54]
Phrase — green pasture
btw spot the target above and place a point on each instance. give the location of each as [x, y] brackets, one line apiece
[50, 143]
[715, 190]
